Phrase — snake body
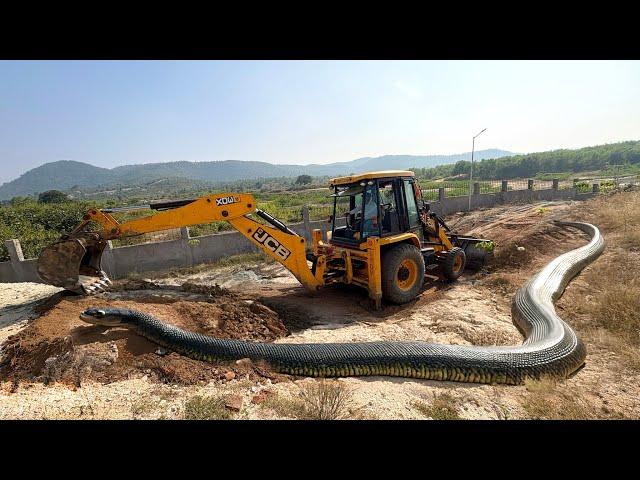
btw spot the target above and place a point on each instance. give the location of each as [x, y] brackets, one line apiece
[550, 348]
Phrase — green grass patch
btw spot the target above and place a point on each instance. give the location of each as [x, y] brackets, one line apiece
[206, 408]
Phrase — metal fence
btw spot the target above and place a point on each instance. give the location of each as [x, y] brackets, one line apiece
[491, 186]
[320, 212]
[518, 185]
[152, 237]
[542, 184]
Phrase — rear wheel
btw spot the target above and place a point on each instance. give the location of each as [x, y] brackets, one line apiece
[402, 273]
[454, 263]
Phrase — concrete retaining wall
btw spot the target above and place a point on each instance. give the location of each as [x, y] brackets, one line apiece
[188, 252]
[461, 204]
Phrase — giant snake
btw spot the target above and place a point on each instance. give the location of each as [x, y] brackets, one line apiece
[550, 348]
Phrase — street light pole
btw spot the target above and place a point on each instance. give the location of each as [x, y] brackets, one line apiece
[473, 147]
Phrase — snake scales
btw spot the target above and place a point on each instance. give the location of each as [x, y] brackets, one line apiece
[550, 348]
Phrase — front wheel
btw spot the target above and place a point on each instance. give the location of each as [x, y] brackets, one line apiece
[454, 263]
[402, 273]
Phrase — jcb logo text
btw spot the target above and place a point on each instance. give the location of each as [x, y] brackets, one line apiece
[271, 243]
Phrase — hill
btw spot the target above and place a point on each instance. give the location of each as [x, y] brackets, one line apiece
[66, 174]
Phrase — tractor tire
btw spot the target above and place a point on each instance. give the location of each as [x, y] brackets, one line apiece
[454, 263]
[402, 273]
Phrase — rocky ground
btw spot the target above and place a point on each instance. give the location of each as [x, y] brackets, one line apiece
[54, 365]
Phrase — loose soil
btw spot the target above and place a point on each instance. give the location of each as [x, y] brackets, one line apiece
[61, 347]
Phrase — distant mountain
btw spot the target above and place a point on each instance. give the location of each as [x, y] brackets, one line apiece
[395, 162]
[66, 174]
[61, 175]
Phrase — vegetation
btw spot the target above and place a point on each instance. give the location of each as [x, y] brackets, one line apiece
[75, 176]
[37, 224]
[489, 246]
[613, 158]
[53, 196]
[318, 400]
[443, 407]
[206, 408]
[303, 179]
[547, 400]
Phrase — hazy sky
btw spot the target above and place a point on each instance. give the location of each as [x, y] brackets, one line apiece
[110, 113]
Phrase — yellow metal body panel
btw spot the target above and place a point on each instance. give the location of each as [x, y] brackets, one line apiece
[375, 270]
[210, 208]
[287, 249]
[370, 176]
[400, 237]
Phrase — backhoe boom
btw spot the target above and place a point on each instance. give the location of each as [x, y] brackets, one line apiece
[74, 262]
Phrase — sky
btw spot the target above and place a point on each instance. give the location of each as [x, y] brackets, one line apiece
[110, 113]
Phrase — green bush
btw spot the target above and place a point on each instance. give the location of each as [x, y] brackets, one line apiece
[582, 187]
[37, 224]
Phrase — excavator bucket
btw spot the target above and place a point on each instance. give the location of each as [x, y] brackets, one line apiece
[74, 264]
[476, 257]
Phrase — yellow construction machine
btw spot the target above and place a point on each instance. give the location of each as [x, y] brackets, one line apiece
[383, 237]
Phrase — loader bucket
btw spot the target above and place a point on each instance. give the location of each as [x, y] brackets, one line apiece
[476, 257]
[74, 264]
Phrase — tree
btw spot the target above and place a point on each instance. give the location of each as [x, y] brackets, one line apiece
[20, 200]
[52, 196]
[303, 179]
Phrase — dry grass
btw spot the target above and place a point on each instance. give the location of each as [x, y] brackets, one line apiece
[545, 400]
[443, 407]
[206, 408]
[284, 407]
[317, 400]
[609, 316]
[618, 309]
[142, 406]
[614, 301]
[617, 212]
[326, 400]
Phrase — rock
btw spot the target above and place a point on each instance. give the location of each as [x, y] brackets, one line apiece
[229, 375]
[244, 362]
[161, 351]
[234, 402]
[520, 249]
[261, 397]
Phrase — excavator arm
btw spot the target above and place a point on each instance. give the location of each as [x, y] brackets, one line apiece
[74, 261]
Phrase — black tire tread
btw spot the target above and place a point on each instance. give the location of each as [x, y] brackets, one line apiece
[449, 260]
[389, 265]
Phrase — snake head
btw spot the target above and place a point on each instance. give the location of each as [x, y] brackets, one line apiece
[108, 317]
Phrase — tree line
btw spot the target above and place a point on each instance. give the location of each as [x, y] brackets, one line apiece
[601, 157]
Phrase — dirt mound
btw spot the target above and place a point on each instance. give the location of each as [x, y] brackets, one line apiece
[525, 236]
[58, 346]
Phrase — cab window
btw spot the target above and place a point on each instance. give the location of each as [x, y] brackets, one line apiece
[412, 207]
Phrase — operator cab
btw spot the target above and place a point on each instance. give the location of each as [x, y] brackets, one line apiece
[374, 204]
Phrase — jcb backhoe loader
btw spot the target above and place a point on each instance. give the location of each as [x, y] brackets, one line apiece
[383, 238]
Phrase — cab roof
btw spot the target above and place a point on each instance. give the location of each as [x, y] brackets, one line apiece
[370, 176]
